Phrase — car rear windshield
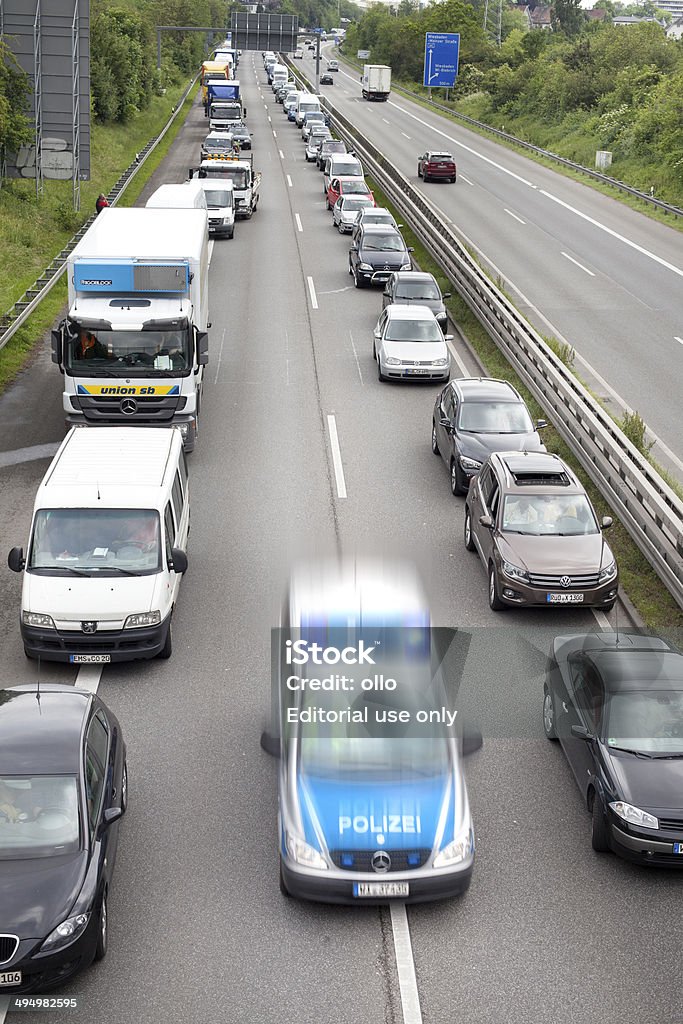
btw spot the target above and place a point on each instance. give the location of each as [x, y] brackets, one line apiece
[95, 542]
[384, 243]
[333, 146]
[559, 515]
[495, 418]
[418, 290]
[38, 816]
[650, 721]
[440, 158]
[413, 330]
[347, 168]
[355, 202]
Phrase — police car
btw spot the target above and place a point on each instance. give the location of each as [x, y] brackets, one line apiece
[373, 805]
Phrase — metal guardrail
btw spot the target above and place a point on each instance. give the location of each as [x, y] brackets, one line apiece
[648, 508]
[22, 309]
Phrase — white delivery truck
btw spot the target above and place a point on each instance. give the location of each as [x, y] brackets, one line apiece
[376, 80]
[134, 343]
[186, 196]
[106, 552]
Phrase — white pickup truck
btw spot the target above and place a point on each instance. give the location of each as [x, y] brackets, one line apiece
[246, 182]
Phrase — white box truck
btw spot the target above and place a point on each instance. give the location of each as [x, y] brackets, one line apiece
[134, 343]
[376, 80]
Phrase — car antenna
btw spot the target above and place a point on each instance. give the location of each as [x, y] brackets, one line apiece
[38, 685]
[616, 618]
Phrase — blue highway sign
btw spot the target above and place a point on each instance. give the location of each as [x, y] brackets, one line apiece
[442, 50]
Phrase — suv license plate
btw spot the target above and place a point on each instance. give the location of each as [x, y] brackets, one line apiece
[380, 889]
[10, 978]
[564, 598]
[90, 659]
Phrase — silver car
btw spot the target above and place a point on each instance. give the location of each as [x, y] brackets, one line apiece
[408, 344]
[346, 209]
[315, 141]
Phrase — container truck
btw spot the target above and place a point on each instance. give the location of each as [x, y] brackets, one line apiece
[376, 79]
[224, 105]
[134, 343]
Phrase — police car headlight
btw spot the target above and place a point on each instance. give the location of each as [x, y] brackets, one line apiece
[142, 619]
[302, 853]
[455, 852]
[36, 619]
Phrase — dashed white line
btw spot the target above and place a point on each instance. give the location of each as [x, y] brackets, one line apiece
[405, 966]
[282, 155]
[467, 180]
[336, 455]
[385, 120]
[406, 136]
[679, 340]
[269, 117]
[576, 263]
[289, 181]
[311, 289]
[274, 134]
[220, 356]
[299, 225]
[88, 677]
[211, 245]
[511, 214]
[355, 355]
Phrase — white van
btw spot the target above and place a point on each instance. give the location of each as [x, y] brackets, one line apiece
[107, 547]
[221, 203]
[185, 196]
[341, 165]
[307, 101]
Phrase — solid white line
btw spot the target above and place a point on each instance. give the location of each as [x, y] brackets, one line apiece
[356, 357]
[336, 455]
[406, 136]
[4, 1004]
[311, 289]
[282, 155]
[405, 966]
[576, 263]
[289, 181]
[461, 177]
[513, 214]
[220, 356]
[88, 677]
[299, 225]
[601, 619]
[461, 366]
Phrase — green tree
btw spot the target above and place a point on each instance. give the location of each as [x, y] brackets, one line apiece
[15, 128]
[567, 17]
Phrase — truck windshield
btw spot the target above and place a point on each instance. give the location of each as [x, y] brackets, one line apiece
[128, 353]
[95, 541]
[237, 175]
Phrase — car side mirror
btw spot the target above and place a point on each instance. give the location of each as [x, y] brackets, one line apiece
[178, 561]
[581, 732]
[540, 424]
[399, 225]
[354, 248]
[111, 815]
[606, 522]
[446, 295]
[486, 522]
[57, 347]
[202, 348]
[448, 337]
[16, 560]
[410, 248]
[270, 742]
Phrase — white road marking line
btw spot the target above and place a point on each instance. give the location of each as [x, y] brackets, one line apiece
[334, 291]
[269, 117]
[576, 263]
[514, 215]
[211, 245]
[406, 136]
[289, 181]
[88, 677]
[463, 178]
[336, 455]
[360, 374]
[601, 619]
[311, 289]
[4, 1005]
[265, 105]
[405, 965]
[461, 366]
[220, 356]
[36, 451]
[679, 340]
[299, 225]
[282, 155]
[385, 120]
[274, 134]
[615, 234]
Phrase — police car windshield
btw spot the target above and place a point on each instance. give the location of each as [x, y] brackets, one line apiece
[161, 353]
[38, 816]
[95, 541]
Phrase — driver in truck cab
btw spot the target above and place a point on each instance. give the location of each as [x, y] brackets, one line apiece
[88, 347]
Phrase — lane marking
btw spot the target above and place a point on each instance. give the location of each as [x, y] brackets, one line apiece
[311, 289]
[461, 366]
[282, 155]
[602, 620]
[4, 1006]
[289, 181]
[405, 965]
[36, 451]
[212, 242]
[360, 374]
[513, 214]
[88, 677]
[679, 340]
[336, 455]
[462, 177]
[299, 225]
[385, 120]
[269, 117]
[406, 136]
[220, 356]
[274, 134]
[576, 263]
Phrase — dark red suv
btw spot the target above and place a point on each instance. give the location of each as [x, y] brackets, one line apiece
[436, 165]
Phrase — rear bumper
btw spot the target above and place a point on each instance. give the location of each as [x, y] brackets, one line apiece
[120, 644]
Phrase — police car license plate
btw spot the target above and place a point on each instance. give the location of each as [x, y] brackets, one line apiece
[678, 848]
[564, 598]
[90, 659]
[10, 978]
[380, 889]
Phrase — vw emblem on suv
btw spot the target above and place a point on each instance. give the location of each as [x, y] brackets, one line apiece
[565, 581]
[89, 626]
[128, 406]
[381, 862]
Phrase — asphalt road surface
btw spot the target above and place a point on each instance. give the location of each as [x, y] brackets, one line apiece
[199, 932]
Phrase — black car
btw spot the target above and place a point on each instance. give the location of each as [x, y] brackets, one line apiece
[413, 288]
[326, 80]
[63, 789]
[378, 252]
[474, 416]
[615, 703]
[241, 135]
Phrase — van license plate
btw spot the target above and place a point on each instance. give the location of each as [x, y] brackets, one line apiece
[90, 659]
[10, 978]
[564, 598]
[380, 889]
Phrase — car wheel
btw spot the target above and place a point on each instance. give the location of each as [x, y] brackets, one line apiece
[456, 482]
[467, 533]
[358, 281]
[283, 887]
[435, 442]
[452, 181]
[549, 714]
[167, 649]
[419, 174]
[327, 203]
[124, 787]
[232, 233]
[380, 375]
[599, 830]
[340, 228]
[102, 930]
[495, 603]
[350, 267]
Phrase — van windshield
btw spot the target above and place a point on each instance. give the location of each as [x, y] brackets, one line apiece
[95, 541]
[98, 353]
[218, 199]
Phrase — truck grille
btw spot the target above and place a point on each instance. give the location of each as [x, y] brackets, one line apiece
[552, 581]
[361, 860]
[110, 409]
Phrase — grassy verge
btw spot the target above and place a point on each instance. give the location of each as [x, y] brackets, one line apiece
[33, 231]
[637, 577]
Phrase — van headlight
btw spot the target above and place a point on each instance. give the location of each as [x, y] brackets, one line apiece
[634, 815]
[455, 852]
[608, 573]
[36, 619]
[303, 854]
[142, 619]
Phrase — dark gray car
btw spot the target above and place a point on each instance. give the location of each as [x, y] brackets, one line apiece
[377, 253]
[417, 288]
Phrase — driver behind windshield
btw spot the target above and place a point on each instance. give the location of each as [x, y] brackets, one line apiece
[88, 347]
